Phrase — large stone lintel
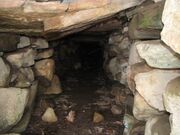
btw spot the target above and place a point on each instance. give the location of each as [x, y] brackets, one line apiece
[46, 18]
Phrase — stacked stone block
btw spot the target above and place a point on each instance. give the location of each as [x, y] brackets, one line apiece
[27, 68]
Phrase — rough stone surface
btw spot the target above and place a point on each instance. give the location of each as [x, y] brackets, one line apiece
[50, 18]
[44, 54]
[158, 55]
[138, 128]
[118, 70]
[11, 134]
[142, 110]
[119, 41]
[129, 121]
[86, 17]
[1, 53]
[55, 87]
[24, 42]
[71, 116]
[22, 58]
[151, 85]
[117, 110]
[158, 125]
[132, 71]
[22, 78]
[157, 0]
[40, 43]
[119, 94]
[5, 73]
[12, 104]
[147, 23]
[49, 116]
[23, 123]
[118, 47]
[171, 101]
[8, 42]
[98, 117]
[115, 38]
[45, 69]
[11, 4]
[171, 19]
[133, 55]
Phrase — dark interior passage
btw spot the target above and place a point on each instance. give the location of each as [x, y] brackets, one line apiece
[91, 56]
[79, 57]
[86, 91]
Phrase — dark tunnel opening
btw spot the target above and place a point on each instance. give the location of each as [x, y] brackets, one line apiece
[85, 102]
[79, 58]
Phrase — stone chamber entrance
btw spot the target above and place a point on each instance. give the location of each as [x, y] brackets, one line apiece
[83, 67]
[85, 102]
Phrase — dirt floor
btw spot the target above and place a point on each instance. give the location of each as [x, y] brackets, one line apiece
[84, 93]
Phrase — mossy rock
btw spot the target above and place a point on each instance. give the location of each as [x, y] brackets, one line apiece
[150, 17]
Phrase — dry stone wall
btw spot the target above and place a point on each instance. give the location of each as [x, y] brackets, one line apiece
[152, 67]
[27, 68]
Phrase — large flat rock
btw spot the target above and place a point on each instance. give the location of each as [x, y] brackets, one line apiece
[142, 110]
[54, 19]
[171, 19]
[158, 125]
[133, 70]
[151, 85]
[147, 24]
[12, 104]
[23, 123]
[171, 101]
[158, 55]
[9, 4]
